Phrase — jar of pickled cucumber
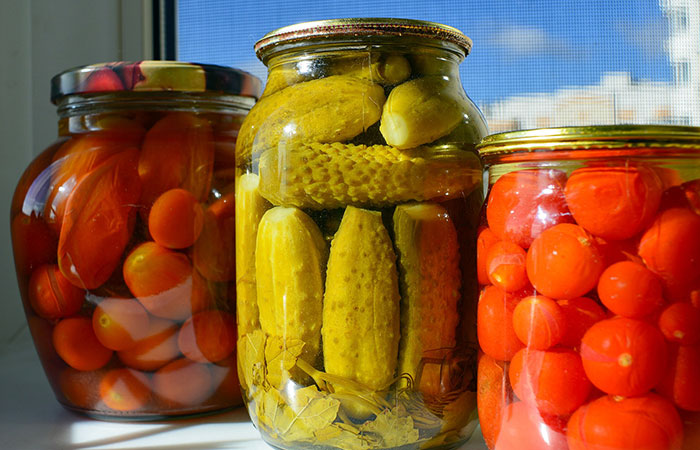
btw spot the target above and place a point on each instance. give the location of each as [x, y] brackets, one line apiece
[589, 267]
[122, 233]
[357, 207]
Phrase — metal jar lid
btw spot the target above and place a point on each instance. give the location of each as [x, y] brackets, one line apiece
[154, 76]
[360, 27]
[536, 143]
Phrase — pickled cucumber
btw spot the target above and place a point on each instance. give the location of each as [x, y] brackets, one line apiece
[375, 67]
[422, 110]
[290, 257]
[327, 176]
[430, 280]
[250, 207]
[361, 304]
[336, 108]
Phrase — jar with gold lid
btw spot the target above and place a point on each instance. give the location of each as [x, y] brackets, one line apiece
[356, 213]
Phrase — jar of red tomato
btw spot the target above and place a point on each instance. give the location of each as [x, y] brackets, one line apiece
[123, 237]
[588, 259]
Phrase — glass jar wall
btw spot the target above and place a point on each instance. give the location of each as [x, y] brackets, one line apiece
[589, 266]
[122, 233]
[356, 211]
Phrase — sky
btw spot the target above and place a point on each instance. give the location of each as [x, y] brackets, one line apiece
[520, 46]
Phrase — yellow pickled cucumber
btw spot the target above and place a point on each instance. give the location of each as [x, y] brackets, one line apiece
[280, 78]
[290, 258]
[250, 207]
[361, 304]
[335, 108]
[422, 110]
[430, 281]
[379, 68]
[326, 176]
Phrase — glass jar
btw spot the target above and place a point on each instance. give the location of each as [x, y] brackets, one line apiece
[356, 212]
[122, 233]
[589, 264]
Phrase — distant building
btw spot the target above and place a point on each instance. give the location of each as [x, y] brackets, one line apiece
[619, 99]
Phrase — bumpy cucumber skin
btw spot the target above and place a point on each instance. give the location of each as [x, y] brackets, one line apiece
[361, 303]
[290, 257]
[327, 176]
[331, 109]
[430, 281]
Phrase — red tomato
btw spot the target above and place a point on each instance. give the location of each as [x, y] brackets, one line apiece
[492, 396]
[157, 348]
[623, 356]
[671, 249]
[98, 221]
[564, 262]
[214, 254]
[505, 266]
[183, 383]
[176, 219]
[161, 279]
[680, 382]
[177, 152]
[125, 389]
[33, 243]
[680, 323]
[76, 343]
[524, 428]
[539, 322]
[119, 322]
[484, 240]
[613, 202]
[630, 290]
[208, 336]
[580, 314]
[51, 295]
[495, 331]
[553, 380]
[523, 204]
[649, 422]
[227, 389]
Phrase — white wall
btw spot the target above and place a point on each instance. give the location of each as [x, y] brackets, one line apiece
[38, 39]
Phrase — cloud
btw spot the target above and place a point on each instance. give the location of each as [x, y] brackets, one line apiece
[520, 41]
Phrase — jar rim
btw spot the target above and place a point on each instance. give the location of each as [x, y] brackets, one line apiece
[356, 27]
[153, 76]
[586, 137]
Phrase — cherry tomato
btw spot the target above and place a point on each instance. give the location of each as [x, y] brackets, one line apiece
[98, 221]
[630, 290]
[553, 380]
[613, 202]
[119, 322]
[680, 323]
[691, 429]
[680, 381]
[505, 266]
[484, 240]
[161, 279]
[227, 388]
[671, 249]
[183, 383]
[623, 356]
[635, 423]
[177, 152]
[495, 331]
[539, 322]
[51, 295]
[125, 389]
[492, 396]
[80, 389]
[157, 348]
[76, 343]
[176, 219]
[214, 254]
[523, 204]
[524, 428]
[580, 314]
[33, 243]
[564, 262]
[208, 336]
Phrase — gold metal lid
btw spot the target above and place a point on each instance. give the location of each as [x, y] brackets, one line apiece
[588, 137]
[360, 27]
